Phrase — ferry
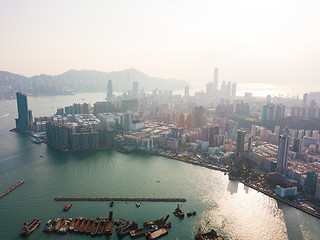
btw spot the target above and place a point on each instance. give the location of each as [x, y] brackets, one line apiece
[29, 228]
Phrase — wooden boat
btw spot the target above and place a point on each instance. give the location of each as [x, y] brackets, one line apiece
[156, 234]
[100, 227]
[89, 225]
[28, 228]
[83, 225]
[212, 235]
[142, 231]
[123, 231]
[178, 212]
[58, 226]
[77, 226]
[109, 227]
[67, 207]
[65, 227]
[159, 221]
[73, 222]
[94, 228]
[49, 225]
[56, 222]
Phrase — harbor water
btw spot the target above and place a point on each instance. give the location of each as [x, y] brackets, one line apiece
[232, 209]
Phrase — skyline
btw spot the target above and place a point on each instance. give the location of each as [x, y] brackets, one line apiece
[273, 42]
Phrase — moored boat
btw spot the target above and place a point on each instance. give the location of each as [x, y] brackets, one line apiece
[89, 225]
[73, 222]
[109, 227]
[83, 225]
[58, 226]
[28, 228]
[142, 231]
[100, 227]
[212, 235]
[94, 228]
[123, 231]
[160, 221]
[77, 226]
[156, 234]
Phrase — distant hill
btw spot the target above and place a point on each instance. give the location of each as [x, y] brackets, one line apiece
[83, 81]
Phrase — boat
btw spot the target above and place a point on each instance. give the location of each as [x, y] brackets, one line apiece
[123, 231]
[49, 225]
[94, 228]
[28, 228]
[37, 141]
[89, 225]
[212, 235]
[67, 207]
[156, 234]
[142, 231]
[178, 212]
[55, 223]
[138, 204]
[73, 222]
[111, 203]
[100, 227]
[65, 227]
[159, 221]
[58, 226]
[77, 226]
[83, 225]
[191, 213]
[109, 227]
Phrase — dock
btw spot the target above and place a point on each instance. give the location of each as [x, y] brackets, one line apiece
[11, 189]
[129, 199]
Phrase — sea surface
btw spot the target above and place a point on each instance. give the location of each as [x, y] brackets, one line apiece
[232, 209]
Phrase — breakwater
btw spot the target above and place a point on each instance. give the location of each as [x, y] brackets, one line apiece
[11, 189]
[132, 199]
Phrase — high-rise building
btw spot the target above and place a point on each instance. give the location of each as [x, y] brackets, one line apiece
[186, 91]
[189, 120]
[135, 89]
[182, 120]
[234, 90]
[199, 118]
[127, 121]
[215, 80]
[283, 150]
[209, 89]
[240, 141]
[22, 122]
[109, 90]
[296, 147]
[311, 182]
[305, 100]
[214, 136]
[253, 130]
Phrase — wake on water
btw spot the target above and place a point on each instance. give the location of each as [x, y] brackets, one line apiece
[5, 115]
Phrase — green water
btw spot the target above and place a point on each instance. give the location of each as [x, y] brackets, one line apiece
[234, 210]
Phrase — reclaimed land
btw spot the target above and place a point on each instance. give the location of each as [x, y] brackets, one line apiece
[120, 199]
[11, 189]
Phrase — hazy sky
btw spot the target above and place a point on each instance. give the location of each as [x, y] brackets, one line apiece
[271, 41]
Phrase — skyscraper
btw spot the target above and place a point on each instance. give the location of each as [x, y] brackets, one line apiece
[240, 141]
[186, 91]
[215, 80]
[109, 90]
[22, 122]
[234, 90]
[283, 153]
[311, 182]
[135, 89]
[209, 89]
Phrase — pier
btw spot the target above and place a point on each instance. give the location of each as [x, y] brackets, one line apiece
[11, 189]
[117, 199]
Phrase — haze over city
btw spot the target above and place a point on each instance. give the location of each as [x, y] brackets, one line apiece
[270, 42]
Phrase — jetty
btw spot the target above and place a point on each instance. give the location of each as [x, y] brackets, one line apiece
[132, 199]
[11, 189]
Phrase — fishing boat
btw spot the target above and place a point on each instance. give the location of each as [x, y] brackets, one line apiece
[142, 231]
[191, 213]
[100, 227]
[65, 227]
[67, 207]
[156, 234]
[178, 212]
[55, 223]
[28, 228]
[49, 225]
[83, 225]
[77, 226]
[94, 228]
[73, 222]
[58, 226]
[89, 225]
